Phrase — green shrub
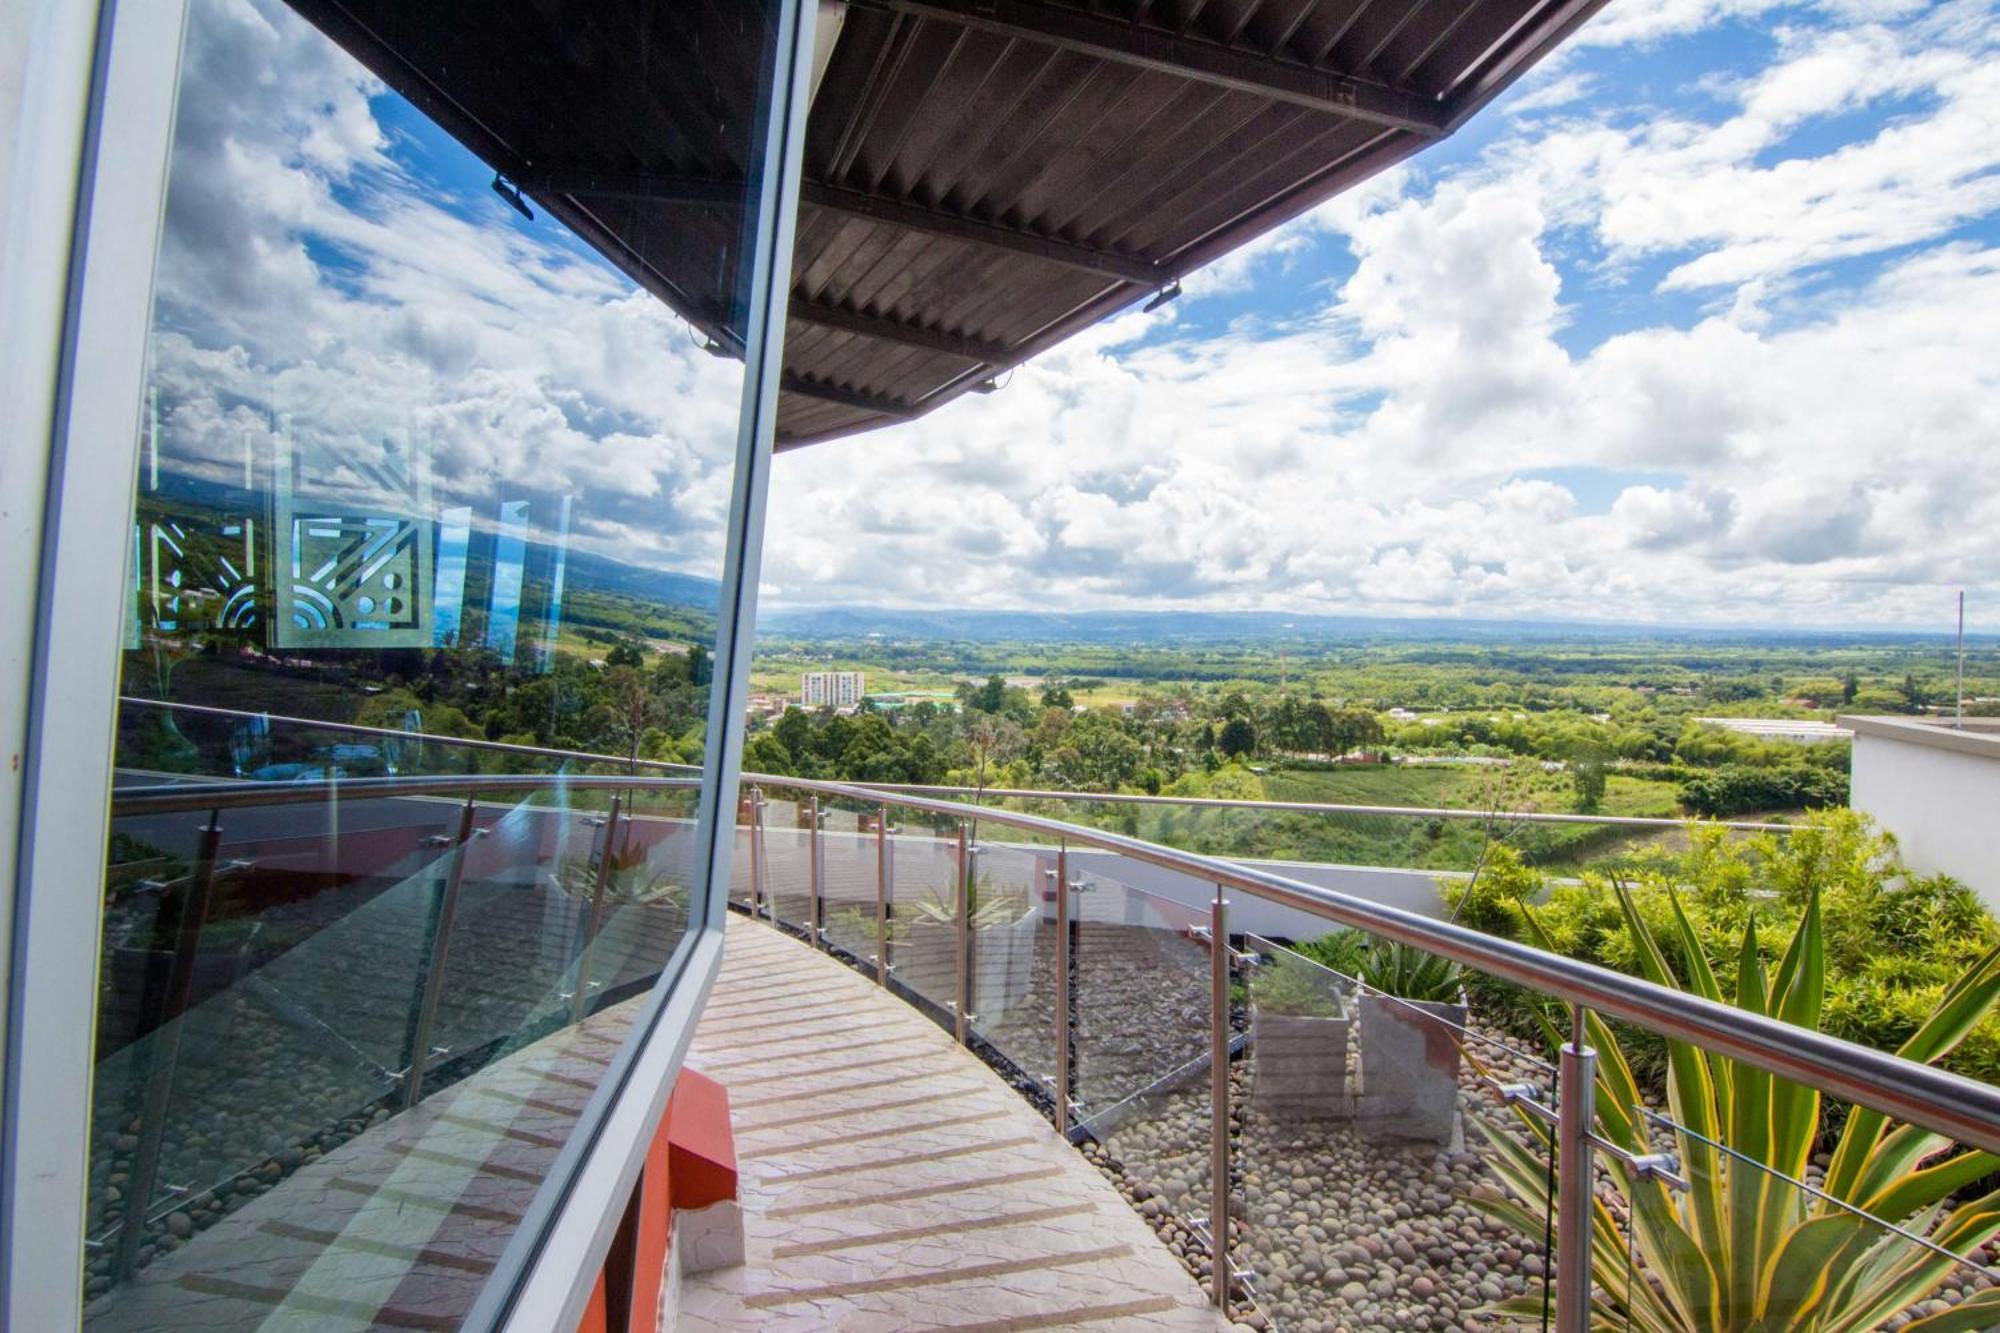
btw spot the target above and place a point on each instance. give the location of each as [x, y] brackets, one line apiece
[1893, 939]
[1343, 951]
[1290, 985]
[1735, 789]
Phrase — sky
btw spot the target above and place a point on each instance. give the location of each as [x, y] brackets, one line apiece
[339, 286]
[1700, 323]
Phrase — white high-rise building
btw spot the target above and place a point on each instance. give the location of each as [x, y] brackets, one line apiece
[840, 689]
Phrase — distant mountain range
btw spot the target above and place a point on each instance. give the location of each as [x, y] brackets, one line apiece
[597, 573]
[1199, 627]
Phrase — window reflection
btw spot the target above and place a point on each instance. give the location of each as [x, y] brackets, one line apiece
[433, 495]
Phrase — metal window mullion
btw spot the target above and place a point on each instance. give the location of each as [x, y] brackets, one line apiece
[83, 206]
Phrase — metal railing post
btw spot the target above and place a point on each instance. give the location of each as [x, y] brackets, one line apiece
[816, 906]
[443, 913]
[166, 1043]
[1576, 1096]
[962, 972]
[883, 896]
[1062, 957]
[579, 1000]
[757, 899]
[1218, 1100]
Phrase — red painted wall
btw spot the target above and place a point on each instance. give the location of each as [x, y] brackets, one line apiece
[691, 1163]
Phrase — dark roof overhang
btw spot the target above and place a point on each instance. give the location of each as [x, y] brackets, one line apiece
[983, 178]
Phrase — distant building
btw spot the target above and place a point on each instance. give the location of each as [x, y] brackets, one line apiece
[831, 689]
[1803, 730]
[1935, 785]
[762, 705]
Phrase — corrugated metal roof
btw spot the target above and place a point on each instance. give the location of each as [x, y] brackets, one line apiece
[983, 178]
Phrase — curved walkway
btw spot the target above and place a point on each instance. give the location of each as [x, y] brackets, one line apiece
[890, 1180]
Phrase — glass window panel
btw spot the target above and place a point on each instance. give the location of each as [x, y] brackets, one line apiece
[425, 571]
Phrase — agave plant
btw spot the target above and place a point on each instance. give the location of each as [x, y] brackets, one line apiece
[632, 878]
[1410, 973]
[940, 907]
[1741, 1250]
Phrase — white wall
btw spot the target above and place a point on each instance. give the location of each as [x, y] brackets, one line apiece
[1411, 890]
[1942, 803]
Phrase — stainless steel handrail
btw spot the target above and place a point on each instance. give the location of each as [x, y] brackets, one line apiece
[996, 793]
[391, 733]
[1921, 1094]
[128, 801]
[1328, 807]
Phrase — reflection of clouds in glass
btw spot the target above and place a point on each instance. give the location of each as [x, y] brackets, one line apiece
[325, 278]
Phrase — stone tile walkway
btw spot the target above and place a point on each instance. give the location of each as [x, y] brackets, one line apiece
[891, 1180]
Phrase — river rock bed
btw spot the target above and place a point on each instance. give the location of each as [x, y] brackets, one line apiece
[1338, 1231]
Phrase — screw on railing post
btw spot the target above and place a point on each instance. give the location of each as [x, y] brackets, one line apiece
[1218, 1100]
[166, 1040]
[757, 900]
[816, 907]
[962, 973]
[579, 1001]
[1576, 1096]
[884, 894]
[444, 910]
[1061, 953]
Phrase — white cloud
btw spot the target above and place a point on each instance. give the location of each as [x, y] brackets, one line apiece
[1837, 467]
[1731, 201]
[1357, 446]
[1361, 451]
[311, 287]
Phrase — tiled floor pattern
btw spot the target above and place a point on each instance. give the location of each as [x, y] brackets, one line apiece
[891, 1181]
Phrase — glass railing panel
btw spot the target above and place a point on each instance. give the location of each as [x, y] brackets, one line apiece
[1142, 988]
[787, 856]
[1430, 842]
[1371, 1139]
[850, 872]
[923, 950]
[1141, 1032]
[655, 877]
[269, 1025]
[1013, 964]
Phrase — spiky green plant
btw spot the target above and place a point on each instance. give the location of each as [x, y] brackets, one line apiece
[1742, 1251]
[1410, 973]
[940, 907]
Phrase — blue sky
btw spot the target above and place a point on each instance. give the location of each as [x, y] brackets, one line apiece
[1700, 322]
